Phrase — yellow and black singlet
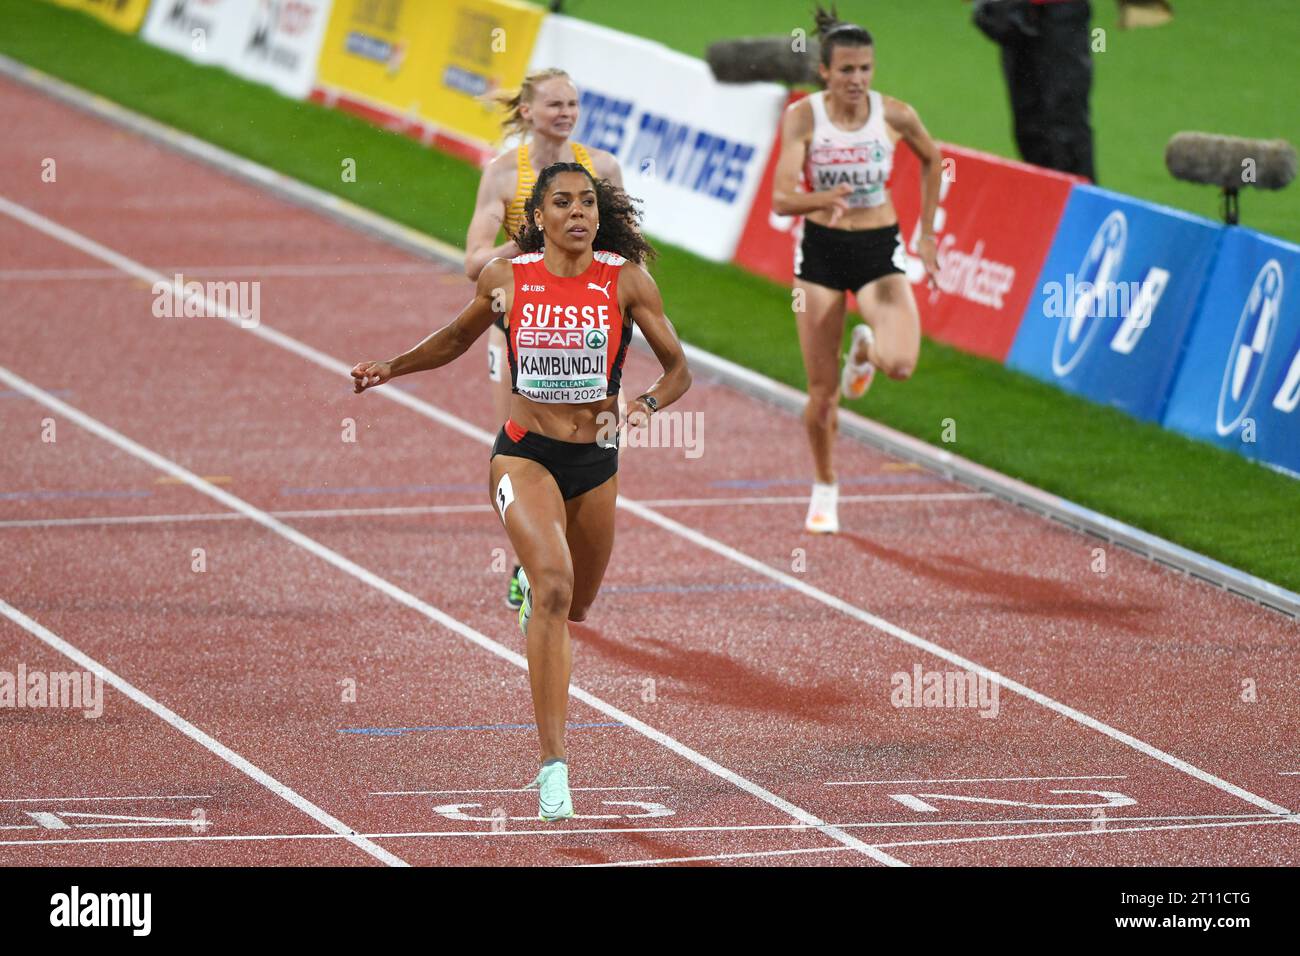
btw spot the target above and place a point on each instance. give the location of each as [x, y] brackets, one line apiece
[527, 179]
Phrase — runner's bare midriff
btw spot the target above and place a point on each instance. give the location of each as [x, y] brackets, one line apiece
[855, 220]
[565, 422]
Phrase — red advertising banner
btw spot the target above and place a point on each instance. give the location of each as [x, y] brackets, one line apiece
[405, 124]
[995, 224]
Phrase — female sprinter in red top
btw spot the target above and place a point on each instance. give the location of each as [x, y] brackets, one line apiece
[570, 300]
[544, 112]
[843, 140]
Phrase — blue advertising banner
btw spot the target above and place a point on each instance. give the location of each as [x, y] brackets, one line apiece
[1115, 299]
[1239, 382]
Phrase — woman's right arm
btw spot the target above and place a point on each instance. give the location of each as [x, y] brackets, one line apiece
[787, 199]
[452, 340]
[484, 226]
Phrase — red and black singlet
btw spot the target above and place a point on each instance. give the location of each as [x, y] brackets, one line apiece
[566, 337]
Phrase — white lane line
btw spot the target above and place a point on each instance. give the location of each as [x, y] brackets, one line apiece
[792, 499]
[132, 821]
[199, 796]
[432, 412]
[1288, 773]
[98, 428]
[487, 834]
[232, 516]
[451, 509]
[219, 838]
[1094, 831]
[1001, 837]
[195, 272]
[761, 827]
[397, 835]
[864, 783]
[411, 793]
[712, 857]
[189, 730]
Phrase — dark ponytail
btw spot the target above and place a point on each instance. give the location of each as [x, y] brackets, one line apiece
[620, 221]
[833, 32]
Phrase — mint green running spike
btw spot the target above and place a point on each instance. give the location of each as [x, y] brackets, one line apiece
[515, 595]
[553, 800]
[526, 607]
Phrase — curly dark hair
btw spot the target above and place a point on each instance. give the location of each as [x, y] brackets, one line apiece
[833, 32]
[620, 219]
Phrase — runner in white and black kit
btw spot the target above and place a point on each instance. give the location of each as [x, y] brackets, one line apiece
[842, 140]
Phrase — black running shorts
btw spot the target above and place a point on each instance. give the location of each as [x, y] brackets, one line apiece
[577, 467]
[847, 259]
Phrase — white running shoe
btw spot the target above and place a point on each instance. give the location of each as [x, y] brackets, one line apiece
[857, 376]
[822, 516]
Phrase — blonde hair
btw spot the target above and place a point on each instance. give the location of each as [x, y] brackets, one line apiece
[514, 122]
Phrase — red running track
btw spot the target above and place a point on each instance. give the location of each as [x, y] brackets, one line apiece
[348, 668]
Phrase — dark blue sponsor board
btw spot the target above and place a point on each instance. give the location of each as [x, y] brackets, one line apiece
[1239, 382]
[671, 151]
[368, 47]
[465, 81]
[1114, 302]
[602, 121]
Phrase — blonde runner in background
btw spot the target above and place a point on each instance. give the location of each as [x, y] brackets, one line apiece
[544, 112]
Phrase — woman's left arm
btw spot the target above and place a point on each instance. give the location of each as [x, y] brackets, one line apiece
[646, 307]
[904, 119]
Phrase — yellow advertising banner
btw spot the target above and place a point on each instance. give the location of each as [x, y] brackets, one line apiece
[124, 15]
[380, 50]
[480, 46]
[431, 61]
